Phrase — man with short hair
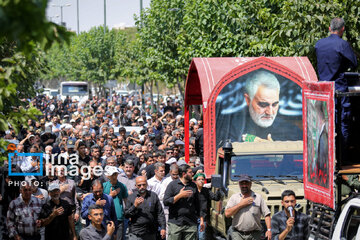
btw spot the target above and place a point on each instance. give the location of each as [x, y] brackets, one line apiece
[259, 121]
[96, 230]
[56, 216]
[185, 206]
[128, 176]
[246, 209]
[174, 174]
[107, 154]
[95, 152]
[289, 223]
[98, 197]
[22, 215]
[146, 213]
[154, 183]
[334, 57]
[81, 152]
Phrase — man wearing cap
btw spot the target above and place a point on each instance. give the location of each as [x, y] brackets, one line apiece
[68, 191]
[119, 193]
[56, 216]
[38, 192]
[64, 157]
[246, 209]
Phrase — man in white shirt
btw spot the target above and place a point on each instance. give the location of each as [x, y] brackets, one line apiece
[30, 164]
[154, 183]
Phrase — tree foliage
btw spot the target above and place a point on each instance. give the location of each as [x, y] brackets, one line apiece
[24, 34]
[92, 56]
[224, 28]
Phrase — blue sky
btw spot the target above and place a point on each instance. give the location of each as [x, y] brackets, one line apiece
[91, 12]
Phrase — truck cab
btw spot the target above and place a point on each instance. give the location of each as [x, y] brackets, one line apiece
[273, 167]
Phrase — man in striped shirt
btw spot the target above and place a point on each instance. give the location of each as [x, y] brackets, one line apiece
[22, 216]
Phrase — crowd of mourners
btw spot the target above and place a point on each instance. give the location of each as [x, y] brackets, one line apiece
[129, 179]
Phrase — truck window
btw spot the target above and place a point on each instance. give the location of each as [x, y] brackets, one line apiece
[262, 166]
[351, 226]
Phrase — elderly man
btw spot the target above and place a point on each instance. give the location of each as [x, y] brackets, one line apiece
[22, 215]
[246, 209]
[258, 121]
[30, 164]
[144, 209]
[56, 216]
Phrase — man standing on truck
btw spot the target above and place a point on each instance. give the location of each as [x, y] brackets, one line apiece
[288, 223]
[246, 209]
[334, 57]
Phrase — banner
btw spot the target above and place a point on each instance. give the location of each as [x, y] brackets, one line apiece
[319, 143]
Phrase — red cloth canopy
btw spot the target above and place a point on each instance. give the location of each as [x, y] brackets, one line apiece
[207, 76]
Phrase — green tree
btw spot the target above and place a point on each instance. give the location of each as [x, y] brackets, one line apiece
[173, 32]
[91, 56]
[24, 33]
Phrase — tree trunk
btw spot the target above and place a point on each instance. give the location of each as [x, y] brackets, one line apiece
[158, 93]
[180, 88]
[151, 94]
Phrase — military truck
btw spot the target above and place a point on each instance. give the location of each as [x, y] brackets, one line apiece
[273, 166]
[265, 134]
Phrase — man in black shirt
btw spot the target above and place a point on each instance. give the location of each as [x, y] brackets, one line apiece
[56, 216]
[185, 206]
[144, 209]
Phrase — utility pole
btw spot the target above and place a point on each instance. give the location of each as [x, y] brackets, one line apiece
[77, 10]
[104, 16]
[61, 12]
[142, 85]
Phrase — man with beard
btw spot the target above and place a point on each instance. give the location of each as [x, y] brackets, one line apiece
[144, 209]
[185, 206]
[246, 209]
[289, 223]
[262, 91]
[56, 216]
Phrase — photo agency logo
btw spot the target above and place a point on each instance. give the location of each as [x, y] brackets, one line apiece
[15, 159]
[65, 164]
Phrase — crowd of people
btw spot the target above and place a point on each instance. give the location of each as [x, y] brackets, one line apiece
[108, 169]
